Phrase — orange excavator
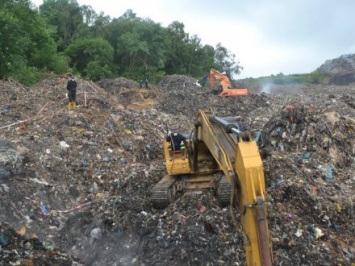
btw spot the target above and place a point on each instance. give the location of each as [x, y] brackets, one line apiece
[224, 87]
[222, 157]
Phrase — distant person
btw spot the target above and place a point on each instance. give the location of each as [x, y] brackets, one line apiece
[141, 84]
[177, 143]
[71, 88]
[146, 83]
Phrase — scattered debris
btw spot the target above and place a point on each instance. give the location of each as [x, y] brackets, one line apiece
[79, 182]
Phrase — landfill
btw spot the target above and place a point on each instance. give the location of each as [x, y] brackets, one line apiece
[75, 185]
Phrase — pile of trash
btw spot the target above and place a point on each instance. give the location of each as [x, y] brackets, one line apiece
[75, 185]
[18, 250]
[340, 71]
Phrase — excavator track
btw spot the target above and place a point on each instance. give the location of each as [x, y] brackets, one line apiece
[164, 192]
[224, 191]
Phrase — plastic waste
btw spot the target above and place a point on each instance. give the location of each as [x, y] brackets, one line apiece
[278, 182]
[118, 183]
[43, 208]
[94, 188]
[338, 207]
[306, 156]
[259, 138]
[4, 174]
[299, 232]
[51, 248]
[3, 240]
[96, 233]
[84, 163]
[63, 144]
[318, 232]
[329, 173]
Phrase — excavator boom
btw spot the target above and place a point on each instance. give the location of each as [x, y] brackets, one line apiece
[239, 159]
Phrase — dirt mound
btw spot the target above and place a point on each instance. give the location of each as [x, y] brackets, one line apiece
[80, 181]
[129, 93]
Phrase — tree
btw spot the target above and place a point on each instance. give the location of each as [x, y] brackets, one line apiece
[100, 26]
[67, 17]
[91, 52]
[185, 54]
[205, 59]
[139, 46]
[61, 34]
[176, 44]
[26, 46]
[224, 60]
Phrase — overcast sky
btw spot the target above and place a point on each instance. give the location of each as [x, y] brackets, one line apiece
[267, 37]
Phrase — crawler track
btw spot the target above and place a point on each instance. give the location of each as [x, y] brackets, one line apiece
[164, 192]
[224, 191]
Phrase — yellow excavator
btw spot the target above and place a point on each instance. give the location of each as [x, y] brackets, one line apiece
[221, 157]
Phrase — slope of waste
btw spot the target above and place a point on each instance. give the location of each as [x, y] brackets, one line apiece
[75, 185]
[340, 71]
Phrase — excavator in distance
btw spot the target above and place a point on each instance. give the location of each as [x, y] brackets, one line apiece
[225, 88]
[221, 157]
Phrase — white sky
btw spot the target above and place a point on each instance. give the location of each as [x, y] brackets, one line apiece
[267, 37]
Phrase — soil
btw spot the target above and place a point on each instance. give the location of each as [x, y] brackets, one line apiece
[75, 185]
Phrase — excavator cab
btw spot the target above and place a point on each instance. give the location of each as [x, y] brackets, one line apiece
[187, 172]
[176, 161]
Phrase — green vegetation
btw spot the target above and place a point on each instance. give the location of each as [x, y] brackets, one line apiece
[26, 48]
[62, 36]
[310, 78]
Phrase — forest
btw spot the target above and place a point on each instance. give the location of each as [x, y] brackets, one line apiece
[61, 36]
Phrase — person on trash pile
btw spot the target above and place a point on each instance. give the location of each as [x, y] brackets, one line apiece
[141, 82]
[71, 88]
[177, 143]
[146, 84]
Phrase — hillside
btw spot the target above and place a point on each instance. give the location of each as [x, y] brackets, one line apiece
[340, 71]
[75, 186]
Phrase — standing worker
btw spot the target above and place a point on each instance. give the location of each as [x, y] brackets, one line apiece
[146, 83]
[71, 88]
[177, 143]
[141, 83]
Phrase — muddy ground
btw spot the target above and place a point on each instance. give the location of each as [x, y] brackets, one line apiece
[75, 186]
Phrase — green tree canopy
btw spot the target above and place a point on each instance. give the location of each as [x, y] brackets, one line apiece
[26, 46]
[91, 52]
[225, 60]
[61, 33]
[67, 18]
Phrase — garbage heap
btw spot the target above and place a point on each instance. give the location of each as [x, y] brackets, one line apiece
[310, 174]
[79, 182]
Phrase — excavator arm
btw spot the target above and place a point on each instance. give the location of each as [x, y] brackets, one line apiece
[224, 80]
[225, 86]
[252, 203]
[239, 159]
